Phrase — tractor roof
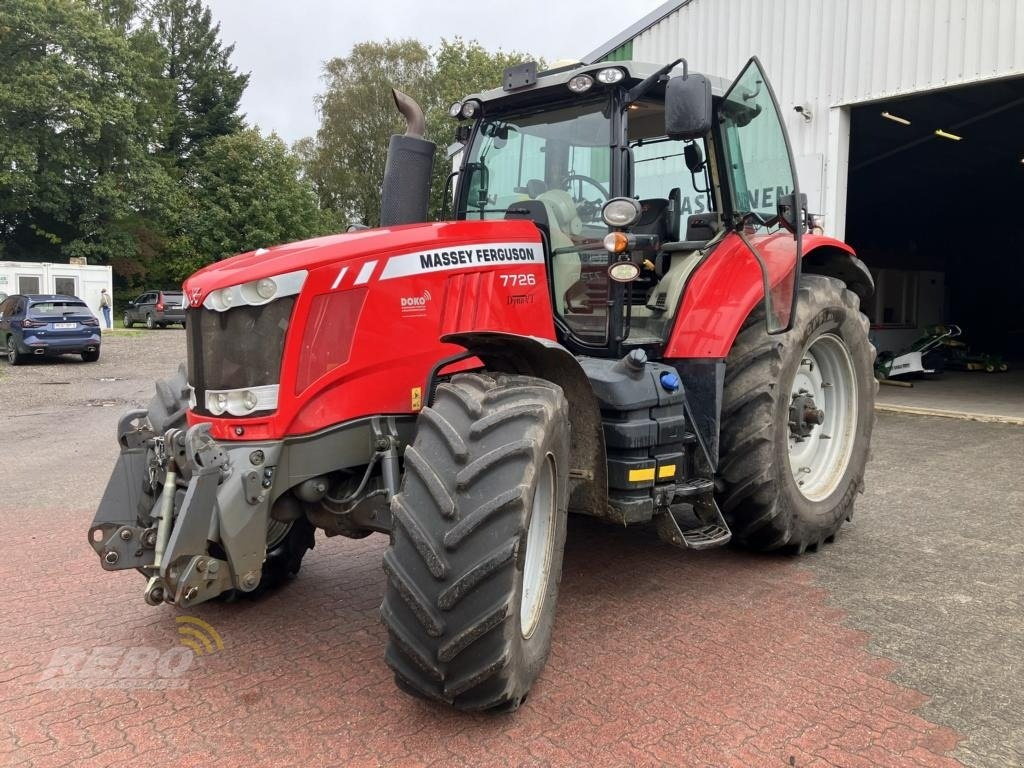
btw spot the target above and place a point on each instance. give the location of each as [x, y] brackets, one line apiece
[546, 81]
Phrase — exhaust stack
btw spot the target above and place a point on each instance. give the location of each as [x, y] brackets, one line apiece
[406, 190]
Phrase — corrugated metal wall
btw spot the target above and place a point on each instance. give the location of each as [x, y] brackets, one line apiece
[825, 53]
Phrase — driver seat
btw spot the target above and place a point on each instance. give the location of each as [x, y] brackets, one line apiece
[565, 222]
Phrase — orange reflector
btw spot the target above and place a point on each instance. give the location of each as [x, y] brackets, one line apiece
[616, 242]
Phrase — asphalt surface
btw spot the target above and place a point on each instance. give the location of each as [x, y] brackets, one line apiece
[899, 645]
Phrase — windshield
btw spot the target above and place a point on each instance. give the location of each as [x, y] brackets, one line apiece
[560, 157]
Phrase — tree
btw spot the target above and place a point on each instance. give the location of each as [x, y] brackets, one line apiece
[244, 192]
[207, 88]
[357, 119]
[76, 121]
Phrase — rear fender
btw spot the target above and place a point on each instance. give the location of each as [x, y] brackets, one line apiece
[727, 286]
[546, 359]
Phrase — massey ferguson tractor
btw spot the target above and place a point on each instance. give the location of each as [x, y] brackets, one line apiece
[623, 318]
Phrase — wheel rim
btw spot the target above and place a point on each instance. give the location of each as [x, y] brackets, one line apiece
[539, 543]
[825, 378]
[125, 320]
[11, 351]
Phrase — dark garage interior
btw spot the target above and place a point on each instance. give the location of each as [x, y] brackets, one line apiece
[943, 219]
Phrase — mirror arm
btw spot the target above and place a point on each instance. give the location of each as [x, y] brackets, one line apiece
[642, 88]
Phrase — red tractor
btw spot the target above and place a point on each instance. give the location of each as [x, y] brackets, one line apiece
[624, 319]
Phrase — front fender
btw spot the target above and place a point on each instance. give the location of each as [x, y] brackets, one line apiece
[546, 359]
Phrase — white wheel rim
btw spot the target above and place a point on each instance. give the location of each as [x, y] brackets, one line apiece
[819, 460]
[539, 544]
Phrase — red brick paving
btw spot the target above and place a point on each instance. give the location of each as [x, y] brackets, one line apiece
[659, 658]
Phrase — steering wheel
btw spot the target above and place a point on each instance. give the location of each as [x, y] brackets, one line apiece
[590, 180]
[588, 210]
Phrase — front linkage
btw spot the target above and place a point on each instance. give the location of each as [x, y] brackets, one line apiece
[193, 491]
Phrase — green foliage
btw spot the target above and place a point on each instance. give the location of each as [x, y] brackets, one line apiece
[76, 122]
[244, 193]
[346, 160]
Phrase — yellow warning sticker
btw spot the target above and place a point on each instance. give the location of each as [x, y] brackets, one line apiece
[417, 398]
[666, 470]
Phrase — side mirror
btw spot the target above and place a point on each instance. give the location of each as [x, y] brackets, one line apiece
[694, 157]
[687, 107]
[791, 214]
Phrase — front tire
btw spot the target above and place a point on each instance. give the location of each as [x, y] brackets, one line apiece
[783, 482]
[126, 321]
[477, 543]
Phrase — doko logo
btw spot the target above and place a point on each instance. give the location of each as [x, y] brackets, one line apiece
[415, 306]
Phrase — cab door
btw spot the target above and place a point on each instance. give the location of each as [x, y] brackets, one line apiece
[766, 208]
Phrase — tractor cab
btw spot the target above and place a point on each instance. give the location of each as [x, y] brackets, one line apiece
[656, 154]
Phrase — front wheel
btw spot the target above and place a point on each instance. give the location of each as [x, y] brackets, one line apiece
[126, 320]
[797, 415]
[476, 551]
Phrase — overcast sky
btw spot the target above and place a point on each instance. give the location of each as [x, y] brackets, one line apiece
[283, 44]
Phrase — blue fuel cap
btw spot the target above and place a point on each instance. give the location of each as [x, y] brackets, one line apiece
[670, 381]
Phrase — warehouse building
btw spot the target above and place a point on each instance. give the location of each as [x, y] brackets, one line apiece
[907, 120]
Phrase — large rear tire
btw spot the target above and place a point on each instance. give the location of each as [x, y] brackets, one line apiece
[785, 482]
[476, 550]
[287, 543]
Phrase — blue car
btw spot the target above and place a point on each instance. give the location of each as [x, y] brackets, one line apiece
[35, 325]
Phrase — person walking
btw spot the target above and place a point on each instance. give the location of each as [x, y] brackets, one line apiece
[105, 306]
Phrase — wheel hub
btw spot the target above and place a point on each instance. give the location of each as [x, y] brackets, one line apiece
[804, 415]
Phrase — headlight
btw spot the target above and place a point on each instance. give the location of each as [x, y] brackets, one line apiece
[256, 292]
[469, 109]
[455, 109]
[621, 212]
[242, 402]
[581, 83]
[610, 75]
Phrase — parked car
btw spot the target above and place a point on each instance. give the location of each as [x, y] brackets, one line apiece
[35, 324]
[156, 309]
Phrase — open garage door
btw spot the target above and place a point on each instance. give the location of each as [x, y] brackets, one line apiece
[935, 208]
[943, 211]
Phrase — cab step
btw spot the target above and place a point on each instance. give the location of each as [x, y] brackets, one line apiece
[695, 525]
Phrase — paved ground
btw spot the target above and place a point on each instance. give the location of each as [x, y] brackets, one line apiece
[897, 646]
[995, 395]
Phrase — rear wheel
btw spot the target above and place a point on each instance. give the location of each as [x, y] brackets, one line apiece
[14, 357]
[476, 551]
[797, 416]
[91, 357]
[150, 322]
[126, 320]
[287, 542]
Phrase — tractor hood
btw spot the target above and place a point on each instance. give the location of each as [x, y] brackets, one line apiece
[351, 248]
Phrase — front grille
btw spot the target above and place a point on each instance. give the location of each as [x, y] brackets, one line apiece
[239, 348]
